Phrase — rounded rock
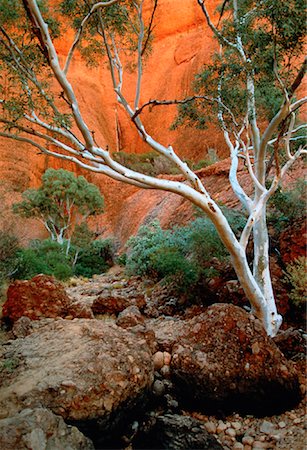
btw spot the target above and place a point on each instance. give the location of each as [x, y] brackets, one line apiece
[238, 446]
[231, 432]
[165, 371]
[158, 388]
[248, 440]
[210, 427]
[167, 358]
[158, 360]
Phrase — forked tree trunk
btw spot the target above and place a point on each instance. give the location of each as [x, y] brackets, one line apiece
[257, 286]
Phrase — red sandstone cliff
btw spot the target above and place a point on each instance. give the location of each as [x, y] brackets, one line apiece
[182, 44]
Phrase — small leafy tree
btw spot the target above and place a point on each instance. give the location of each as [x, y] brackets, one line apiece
[258, 40]
[63, 202]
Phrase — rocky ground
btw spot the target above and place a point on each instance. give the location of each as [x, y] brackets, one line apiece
[286, 431]
[94, 315]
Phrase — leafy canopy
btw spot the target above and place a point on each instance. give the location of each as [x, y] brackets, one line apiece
[273, 35]
[62, 200]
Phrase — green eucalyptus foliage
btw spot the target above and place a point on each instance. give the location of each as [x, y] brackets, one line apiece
[25, 67]
[182, 254]
[62, 200]
[288, 205]
[47, 257]
[94, 258]
[272, 33]
[50, 258]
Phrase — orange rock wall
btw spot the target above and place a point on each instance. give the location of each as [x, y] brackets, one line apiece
[182, 44]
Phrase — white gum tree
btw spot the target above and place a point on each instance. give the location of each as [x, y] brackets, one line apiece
[51, 121]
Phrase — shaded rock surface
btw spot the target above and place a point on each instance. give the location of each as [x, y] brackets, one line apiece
[175, 432]
[292, 343]
[224, 361]
[38, 429]
[42, 296]
[130, 317]
[80, 369]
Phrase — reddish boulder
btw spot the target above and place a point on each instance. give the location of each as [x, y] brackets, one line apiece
[83, 370]
[115, 301]
[225, 362]
[109, 303]
[130, 317]
[42, 296]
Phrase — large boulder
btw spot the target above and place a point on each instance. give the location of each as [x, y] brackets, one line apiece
[42, 296]
[225, 362]
[81, 369]
[38, 429]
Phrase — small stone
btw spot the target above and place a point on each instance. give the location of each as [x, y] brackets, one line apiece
[247, 440]
[231, 432]
[262, 438]
[297, 420]
[210, 427]
[247, 447]
[221, 427]
[165, 371]
[238, 446]
[267, 427]
[282, 424]
[158, 388]
[158, 360]
[236, 425]
[167, 358]
[255, 348]
[275, 437]
[258, 445]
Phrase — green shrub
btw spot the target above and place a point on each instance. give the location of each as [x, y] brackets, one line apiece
[141, 247]
[295, 275]
[50, 258]
[182, 254]
[96, 258]
[288, 205]
[47, 257]
[121, 260]
[8, 255]
[30, 264]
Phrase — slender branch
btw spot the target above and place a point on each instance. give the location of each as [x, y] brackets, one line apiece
[217, 33]
[299, 78]
[37, 19]
[150, 27]
[79, 32]
[139, 53]
[64, 132]
[182, 102]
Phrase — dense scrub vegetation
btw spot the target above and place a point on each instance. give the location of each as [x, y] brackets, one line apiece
[186, 257]
[51, 258]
